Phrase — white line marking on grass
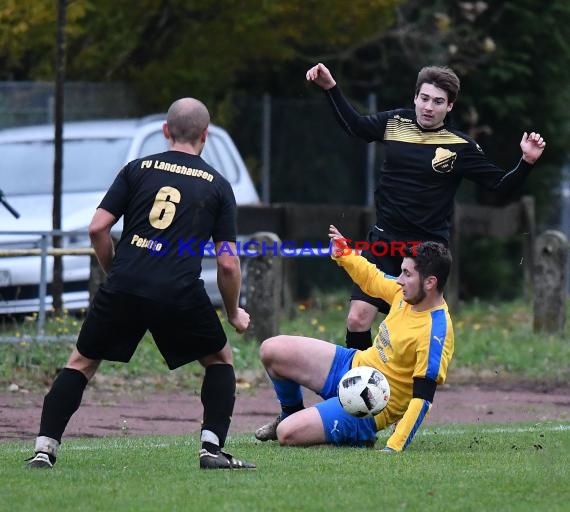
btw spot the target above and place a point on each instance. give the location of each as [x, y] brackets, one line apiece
[141, 442]
[445, 430]
[111, 444]
[497, 430]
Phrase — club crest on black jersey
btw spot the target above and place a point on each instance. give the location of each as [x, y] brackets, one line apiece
[443, 160]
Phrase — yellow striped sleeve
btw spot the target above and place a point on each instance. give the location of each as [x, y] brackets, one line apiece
[372, 281]
[407, 427]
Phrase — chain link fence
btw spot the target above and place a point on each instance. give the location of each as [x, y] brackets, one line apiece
[25, 103]
[311, 159]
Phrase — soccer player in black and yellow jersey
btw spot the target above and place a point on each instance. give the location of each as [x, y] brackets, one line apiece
[413, 349]
[172, 204]
[425, 161]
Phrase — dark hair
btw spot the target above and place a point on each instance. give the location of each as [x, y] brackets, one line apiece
[431, 259]
[442, 77]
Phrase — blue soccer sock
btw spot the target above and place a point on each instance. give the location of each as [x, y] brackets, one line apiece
[289, 395]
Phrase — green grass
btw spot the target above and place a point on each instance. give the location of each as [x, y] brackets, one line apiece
[492, 340]
[452, 468]
[498, 340]
[509, 467]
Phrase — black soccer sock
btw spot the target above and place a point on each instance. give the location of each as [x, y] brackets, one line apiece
[62, 400]
[292, 409]
[360, 340]
[218, 398]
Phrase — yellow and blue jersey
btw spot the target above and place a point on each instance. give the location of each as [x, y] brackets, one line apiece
[410, 344]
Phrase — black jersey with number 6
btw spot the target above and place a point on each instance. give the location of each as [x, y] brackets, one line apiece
[174, 204]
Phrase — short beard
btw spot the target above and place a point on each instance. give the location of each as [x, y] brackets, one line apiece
[418, 298]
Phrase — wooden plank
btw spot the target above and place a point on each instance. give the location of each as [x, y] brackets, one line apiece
[256, 218]
[306, 222]
[490, 221]
[78, 251]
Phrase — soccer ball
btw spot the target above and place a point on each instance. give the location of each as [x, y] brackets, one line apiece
[363, 391]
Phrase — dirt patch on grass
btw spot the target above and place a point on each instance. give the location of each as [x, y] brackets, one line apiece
[107, 412]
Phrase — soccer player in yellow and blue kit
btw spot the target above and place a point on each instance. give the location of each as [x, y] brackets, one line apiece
[413, 349]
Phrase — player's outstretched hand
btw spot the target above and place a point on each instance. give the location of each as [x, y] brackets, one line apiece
[320, 75]
[339, 245]
[532, 147]
[240, 321]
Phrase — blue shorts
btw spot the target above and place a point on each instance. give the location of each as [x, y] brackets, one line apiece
[341, 428]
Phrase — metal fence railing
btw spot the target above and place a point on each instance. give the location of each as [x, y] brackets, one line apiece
[29, 244]
[39, 244]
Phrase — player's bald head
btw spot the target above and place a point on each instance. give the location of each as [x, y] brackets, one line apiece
[187, 118]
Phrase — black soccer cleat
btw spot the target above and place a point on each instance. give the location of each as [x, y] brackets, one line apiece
[222, 460]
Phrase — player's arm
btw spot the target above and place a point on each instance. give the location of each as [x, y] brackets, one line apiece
[320, 75]
[100, 235]
[532, 147]
[479, 169]
[366, 275]
[434, 351]
[227, 258]
[109, 211]
[418, 409]
[229, 283]
[368, 128]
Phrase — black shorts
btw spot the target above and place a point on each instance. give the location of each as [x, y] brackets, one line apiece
[388, 263]
[117, 321]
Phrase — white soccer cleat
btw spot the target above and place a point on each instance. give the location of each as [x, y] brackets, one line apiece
[41, 461]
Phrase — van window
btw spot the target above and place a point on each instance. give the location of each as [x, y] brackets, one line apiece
[154, 143]
[88, 165]
[220, 156]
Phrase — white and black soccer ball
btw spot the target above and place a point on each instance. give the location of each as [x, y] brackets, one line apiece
[363, 391]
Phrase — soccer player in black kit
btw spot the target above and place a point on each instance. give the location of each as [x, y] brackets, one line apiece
[425, 161]
[172, 203]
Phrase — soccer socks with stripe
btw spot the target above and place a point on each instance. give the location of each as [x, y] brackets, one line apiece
[218, 398]
[359, 340]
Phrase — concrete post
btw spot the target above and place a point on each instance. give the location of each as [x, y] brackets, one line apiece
[264, 286]
[550, 277]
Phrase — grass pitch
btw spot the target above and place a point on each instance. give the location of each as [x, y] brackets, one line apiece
[453, 468]
[508, 467]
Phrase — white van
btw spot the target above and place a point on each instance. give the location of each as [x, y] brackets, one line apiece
[94, 151]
